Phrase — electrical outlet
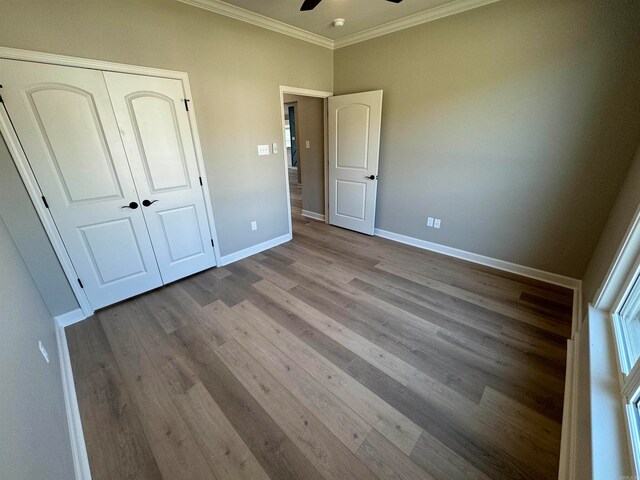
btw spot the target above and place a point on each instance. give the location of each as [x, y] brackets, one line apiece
[43, 351]
[254, 225]
[308, 144]
[275, 148]
[436, 223]
[263, 150]
[430, 222]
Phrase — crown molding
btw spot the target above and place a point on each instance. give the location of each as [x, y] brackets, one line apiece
[451, 8]
[228, 10]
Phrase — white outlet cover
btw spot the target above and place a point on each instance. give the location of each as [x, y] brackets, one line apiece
[254, 225]
[264, 150]
[436, 223]
[430, 222]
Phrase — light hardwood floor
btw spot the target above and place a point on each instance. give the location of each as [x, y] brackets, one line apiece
[334, 356]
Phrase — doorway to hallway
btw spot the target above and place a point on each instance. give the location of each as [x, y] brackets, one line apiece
[304, 130]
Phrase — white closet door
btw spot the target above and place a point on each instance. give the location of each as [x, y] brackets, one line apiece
[156, 133]
[65, 123]
[354, 149]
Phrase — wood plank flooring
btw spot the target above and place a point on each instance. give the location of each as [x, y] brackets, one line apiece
[334, 356]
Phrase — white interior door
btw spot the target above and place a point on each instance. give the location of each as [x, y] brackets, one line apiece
[156, 133]
[354, 147]
[65, 123]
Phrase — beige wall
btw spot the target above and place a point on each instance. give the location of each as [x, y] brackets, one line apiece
[235, 70]
[310, 126]
[622, 214]
[29, 235]
[34, 436]
[514, 123]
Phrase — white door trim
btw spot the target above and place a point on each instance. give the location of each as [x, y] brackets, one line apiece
[306, 93]
[20, 159]
[200, 158]
[74, 420]
[29, 179]
[64, 60]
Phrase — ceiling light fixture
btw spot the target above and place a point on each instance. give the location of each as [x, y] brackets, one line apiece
[311, 4]
[338, 22]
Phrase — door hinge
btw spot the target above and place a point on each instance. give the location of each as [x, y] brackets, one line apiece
[186, 103]
[212, 244]
[200, 180]
[80, 283]
[44, 200]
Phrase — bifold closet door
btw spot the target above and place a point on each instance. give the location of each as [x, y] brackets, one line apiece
[155, 129]
[66, 125]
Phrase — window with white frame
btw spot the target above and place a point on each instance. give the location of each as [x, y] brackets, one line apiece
[626, 321]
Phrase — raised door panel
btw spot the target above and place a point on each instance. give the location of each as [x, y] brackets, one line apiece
[182, 233]
[354, 143]
[350, 199]
[155, 123]
[65, 123]
[352, 134]
[82, 162]
[156, 133]
[101, 241]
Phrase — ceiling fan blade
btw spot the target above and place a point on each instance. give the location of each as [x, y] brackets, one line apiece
[309, 5]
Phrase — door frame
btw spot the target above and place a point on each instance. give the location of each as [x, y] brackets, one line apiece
[295, 105]
[306, 93]
[20, 159]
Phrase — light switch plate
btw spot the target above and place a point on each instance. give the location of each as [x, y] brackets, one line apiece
[254, 225]
[430, 222]
[436, 223]
[308, 144]
[275, 148]
[263, 150]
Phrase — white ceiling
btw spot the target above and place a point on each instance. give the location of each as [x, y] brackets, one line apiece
[359, 14]
[365, 19]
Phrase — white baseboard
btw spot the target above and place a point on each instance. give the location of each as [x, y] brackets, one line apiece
[568, 435]
[69, 318]
[78, 446]
[534, 273]
[247, 252]
[314, 215]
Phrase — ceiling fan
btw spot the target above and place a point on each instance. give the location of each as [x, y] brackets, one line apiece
[311, 4]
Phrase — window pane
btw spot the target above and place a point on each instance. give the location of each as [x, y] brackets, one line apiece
[630, 324]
